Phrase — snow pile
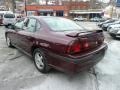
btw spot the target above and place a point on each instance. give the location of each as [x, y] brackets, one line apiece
[108, 70]
[111, 63]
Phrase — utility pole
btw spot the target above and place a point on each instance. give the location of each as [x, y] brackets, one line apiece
[13, 6]
[112, 2]
[25, 7]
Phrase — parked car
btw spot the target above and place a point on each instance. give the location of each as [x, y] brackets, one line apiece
[18, 16]
[57, 42]
[2, 14]
[105, 26]
[97, 19]
[113, 26]
[8, 19]
[79, 19]
[1, 19]
[115, 32]
[107, 21]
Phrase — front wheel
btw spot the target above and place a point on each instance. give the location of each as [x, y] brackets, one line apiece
[113, 36]
[6, 26]
[8, 41]
[40, 61]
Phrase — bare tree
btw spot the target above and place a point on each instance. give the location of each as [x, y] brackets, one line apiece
[8, 4]
[112, 2]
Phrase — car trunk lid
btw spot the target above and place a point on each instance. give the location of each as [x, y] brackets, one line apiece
[88, 40]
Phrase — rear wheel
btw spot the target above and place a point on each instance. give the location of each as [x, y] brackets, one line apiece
[40, 61]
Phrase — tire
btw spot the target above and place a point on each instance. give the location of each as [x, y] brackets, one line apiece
[40, 61]
[76, 20]
[113, 36]
[8, 41]
[9, 26]
[6, 26]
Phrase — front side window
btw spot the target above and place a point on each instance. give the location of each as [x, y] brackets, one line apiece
[31, 25]
[62, 24]
[19, 24]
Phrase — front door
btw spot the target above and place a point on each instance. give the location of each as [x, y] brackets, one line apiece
[17, 28]
[28, 35]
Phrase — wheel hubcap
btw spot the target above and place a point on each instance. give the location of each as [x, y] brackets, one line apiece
[39, 60]
[9, 26]
[8, 41]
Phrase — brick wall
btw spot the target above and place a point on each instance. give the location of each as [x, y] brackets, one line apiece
[38, 7]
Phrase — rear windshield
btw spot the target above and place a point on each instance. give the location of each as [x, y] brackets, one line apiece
[62, 24]
[9, 16]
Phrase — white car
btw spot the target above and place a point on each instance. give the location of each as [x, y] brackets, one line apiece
[8, 19]
[115, 32]
[79, 19]
[97, 19]
[113, 26]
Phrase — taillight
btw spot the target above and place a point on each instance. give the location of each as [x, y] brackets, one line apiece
[74, 47]
[78, 47]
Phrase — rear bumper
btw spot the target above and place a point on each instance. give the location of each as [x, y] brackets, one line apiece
[84, 62]
[8, 23]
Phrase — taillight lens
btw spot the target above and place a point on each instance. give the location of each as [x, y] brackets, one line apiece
[74, 48]
[78, 46]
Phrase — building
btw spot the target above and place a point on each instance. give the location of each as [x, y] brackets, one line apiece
[19, 7]
[56, 8]
[118, 8]
[65, 8]
[47, 10]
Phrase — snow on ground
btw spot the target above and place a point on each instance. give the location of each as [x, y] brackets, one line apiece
[60, 81]
[19, 73]
[108, 70]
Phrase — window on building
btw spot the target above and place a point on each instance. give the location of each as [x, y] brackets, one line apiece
[59, 13]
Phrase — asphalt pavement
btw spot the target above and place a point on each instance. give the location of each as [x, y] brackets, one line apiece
[17, 71]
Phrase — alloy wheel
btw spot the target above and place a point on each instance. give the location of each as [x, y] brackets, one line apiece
[39, 60]
[8, 41]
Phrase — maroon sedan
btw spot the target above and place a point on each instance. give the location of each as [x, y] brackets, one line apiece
[56, 42]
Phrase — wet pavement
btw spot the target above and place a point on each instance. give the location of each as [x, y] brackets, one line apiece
[17, 71]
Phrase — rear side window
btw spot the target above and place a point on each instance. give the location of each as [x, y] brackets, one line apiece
[9, 16]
